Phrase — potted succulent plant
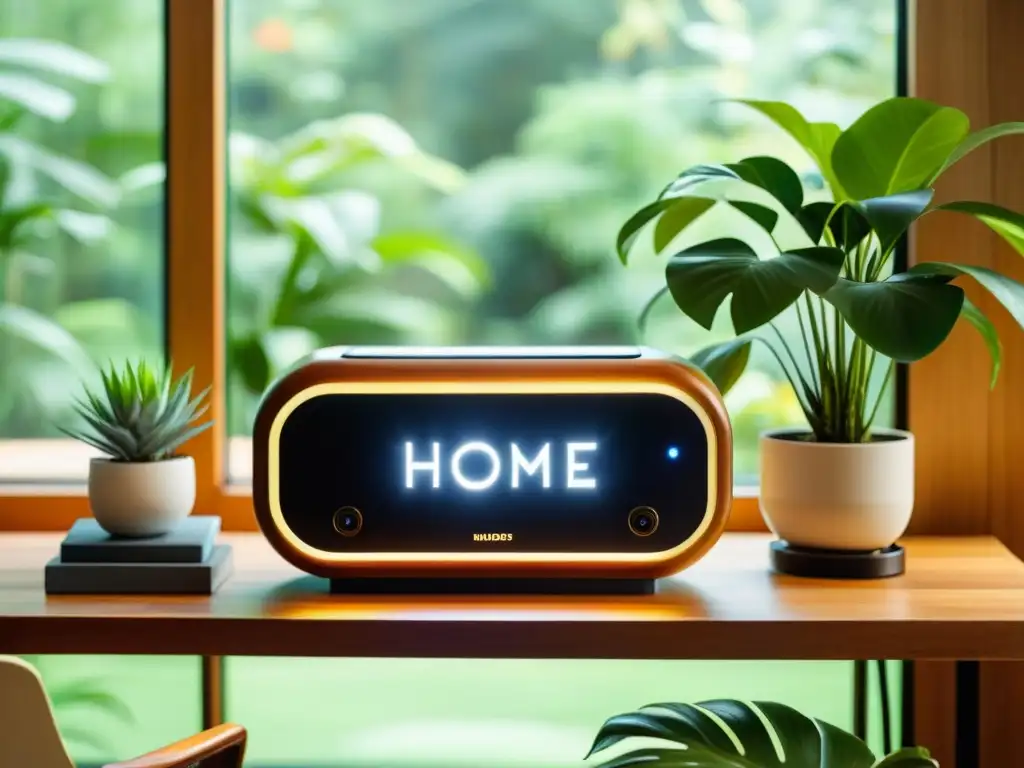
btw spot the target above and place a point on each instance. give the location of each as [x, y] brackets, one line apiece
[841, 483]
[734, 734]
[142, 487]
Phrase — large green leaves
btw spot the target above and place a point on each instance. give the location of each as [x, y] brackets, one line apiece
[735, 734]
[723, 363]
[905, 317]
[674, 218]
[897, 146]
[1005, 290]
[702, 277]
[908, 757]
[773, 176]
[461, 268]
[850, 222]
[817, 139]
[1006, 223]
[695, 175]
[892, 215]
[846, 225]
[37, 96]
[975, 140]
[54, 57]
[989, 335]
[42, 333]
[628, 233]
[675, 214]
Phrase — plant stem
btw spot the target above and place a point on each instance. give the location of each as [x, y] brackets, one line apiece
[864, 421]
[811, 364]
[881, 393]
[841, 374]
[809, 412]
[792, 357]
[855, 385]
[828, 388]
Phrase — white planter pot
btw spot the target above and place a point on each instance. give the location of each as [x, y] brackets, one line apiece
[141, 499]
[837, 495]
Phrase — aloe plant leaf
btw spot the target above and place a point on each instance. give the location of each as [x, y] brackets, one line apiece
[115, 434]
[145, 413]
[95, 441]
[185, 436]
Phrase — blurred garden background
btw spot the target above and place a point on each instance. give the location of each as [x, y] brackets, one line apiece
[401, 171]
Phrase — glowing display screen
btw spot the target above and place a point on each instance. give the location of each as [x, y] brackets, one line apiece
[449, 473]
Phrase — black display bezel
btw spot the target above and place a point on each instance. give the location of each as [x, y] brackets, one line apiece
[315, 478]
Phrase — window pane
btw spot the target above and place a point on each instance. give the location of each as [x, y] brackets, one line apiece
[112, 708]
[81, 249]
[451, 172]
[427, 713]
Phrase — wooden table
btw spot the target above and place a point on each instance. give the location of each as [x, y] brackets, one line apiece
[961, 598]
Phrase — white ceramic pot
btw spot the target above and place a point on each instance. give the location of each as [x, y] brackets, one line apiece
[837, 495]
[141, 499]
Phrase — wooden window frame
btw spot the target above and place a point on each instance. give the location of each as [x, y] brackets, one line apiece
[964, 53]
[957, 492]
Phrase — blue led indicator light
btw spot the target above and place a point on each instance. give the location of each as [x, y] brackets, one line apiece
[673, 452]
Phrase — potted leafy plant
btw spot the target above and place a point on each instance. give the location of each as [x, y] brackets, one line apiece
[734, 734]
[142, 487]
[841, 483]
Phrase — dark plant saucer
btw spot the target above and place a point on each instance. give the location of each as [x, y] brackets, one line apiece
[837, 564]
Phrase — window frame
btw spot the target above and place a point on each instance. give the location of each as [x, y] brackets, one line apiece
[960, 52]
[196, 213]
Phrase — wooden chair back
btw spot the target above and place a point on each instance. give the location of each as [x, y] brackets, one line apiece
[220, 747]
[28, 730]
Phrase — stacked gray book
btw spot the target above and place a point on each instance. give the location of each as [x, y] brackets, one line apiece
[185, 561]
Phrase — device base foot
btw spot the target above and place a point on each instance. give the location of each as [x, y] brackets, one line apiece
[432, 586]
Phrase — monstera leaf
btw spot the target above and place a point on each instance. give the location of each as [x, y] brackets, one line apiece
[735, 734]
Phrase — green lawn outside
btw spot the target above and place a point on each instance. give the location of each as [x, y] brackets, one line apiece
[418, 713]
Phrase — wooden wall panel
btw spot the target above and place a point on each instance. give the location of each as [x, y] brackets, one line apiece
[970, 54]
[948, 399]
[1002, 684]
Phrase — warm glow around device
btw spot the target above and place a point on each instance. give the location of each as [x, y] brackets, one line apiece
[600, 463]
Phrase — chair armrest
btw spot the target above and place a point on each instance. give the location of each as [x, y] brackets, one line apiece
[219, 747]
